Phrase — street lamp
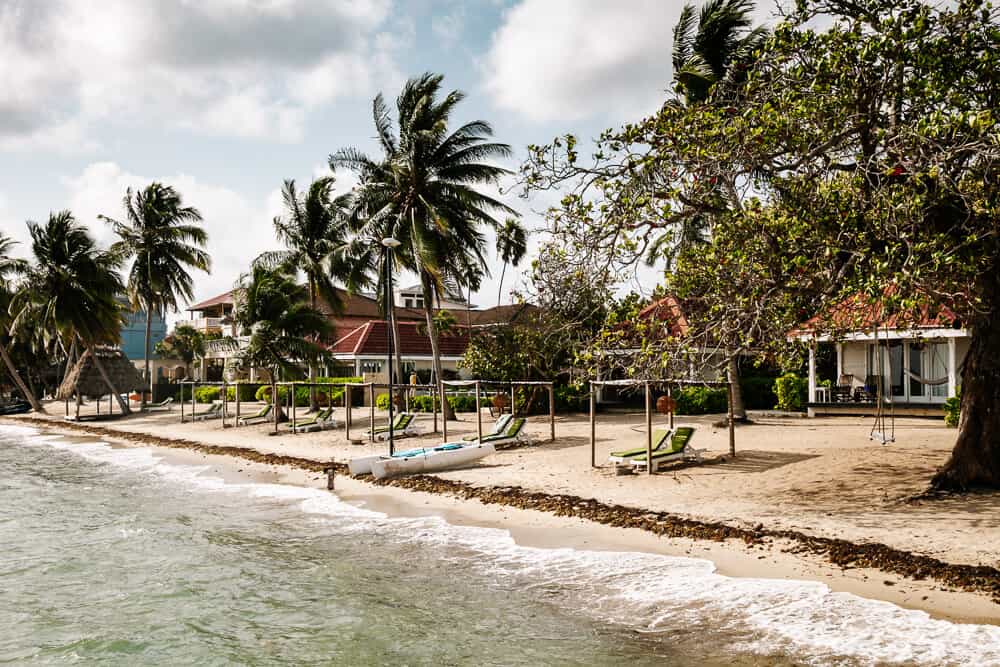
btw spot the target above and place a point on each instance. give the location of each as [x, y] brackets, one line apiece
[389, 244]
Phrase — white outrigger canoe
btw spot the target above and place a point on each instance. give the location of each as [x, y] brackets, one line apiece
[431, 459]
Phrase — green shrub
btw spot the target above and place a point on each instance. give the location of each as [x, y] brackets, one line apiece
[758, 393]
[248, 392]
[570, 398]
[382, 401]
[953, 409]
[207, 394]
[702, 401]
[792, 392]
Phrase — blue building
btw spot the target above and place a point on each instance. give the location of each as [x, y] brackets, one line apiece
[134, 335]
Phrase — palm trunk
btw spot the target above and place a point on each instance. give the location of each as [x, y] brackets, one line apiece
[975, 461]
[70, 360]
[739, 410]
[122, 403]
[397, 360]
[145, 356]
[432, 333]
[16, 377]
[313, 406]
[503, 271]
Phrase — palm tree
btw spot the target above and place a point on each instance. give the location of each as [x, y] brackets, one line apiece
[10, 266]
[71, 290]
[164, 239]
[185, 343]
[715, 46]
[712, 53]
[283, 328]
[512, 244]
[422, 190]
[317, 242]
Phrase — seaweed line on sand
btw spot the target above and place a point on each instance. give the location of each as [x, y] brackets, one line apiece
[843, 553]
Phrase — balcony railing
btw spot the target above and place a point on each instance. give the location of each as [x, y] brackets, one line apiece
[203, 323]
[224, 347]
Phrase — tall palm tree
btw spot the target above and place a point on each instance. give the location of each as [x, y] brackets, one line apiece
[713, 46]
[71, 290]
[164, 240]
[9, 267]
[512, 244]
[317, 243]
[422, 190]
[712, 53]
[283, 328]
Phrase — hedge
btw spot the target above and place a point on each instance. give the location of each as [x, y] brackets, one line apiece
[792, 392]
[758, 393]
[423, 403]
[207, 394]
[953, 409]
[263, 393]
[702, 401]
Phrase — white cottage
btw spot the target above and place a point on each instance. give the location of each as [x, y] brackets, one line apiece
[919, 361]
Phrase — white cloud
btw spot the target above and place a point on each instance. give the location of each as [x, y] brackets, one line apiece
[245, 68]
[571, 59]
[447, 26]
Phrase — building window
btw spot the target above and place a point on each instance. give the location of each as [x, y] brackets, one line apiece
[371, 366]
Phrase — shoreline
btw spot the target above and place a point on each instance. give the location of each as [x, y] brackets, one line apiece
[542, 520]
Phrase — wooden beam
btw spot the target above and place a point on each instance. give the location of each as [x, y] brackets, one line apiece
[593, 430]
[649, 431]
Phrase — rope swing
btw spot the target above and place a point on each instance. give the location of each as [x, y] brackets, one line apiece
[879, 431]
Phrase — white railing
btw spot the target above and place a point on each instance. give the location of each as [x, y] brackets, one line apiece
[202, 323]
[224, 347]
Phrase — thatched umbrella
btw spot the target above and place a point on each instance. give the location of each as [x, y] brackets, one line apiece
[87, 377]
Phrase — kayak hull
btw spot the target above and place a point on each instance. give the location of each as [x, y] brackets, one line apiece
[430, 460]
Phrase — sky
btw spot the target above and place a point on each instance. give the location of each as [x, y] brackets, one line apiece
[224, 99]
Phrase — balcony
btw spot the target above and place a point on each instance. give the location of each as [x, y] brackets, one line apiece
[203, 324]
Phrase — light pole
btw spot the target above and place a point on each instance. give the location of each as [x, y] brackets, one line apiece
[389, 244]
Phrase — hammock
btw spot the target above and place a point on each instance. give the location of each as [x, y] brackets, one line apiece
[923, 380]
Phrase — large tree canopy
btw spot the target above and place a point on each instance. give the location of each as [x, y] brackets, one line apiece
[864, 154]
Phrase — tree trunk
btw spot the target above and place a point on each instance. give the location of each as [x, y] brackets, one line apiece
[16, 377]
[122, 403]
[739, 410]
[397, 359]
[145, 357]
[70, 360]
[432, 334]
[503, 271]
[975, 461]
[313, 405]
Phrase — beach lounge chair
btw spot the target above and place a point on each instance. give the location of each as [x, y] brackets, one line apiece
[679, 449]
[263, 415]
[214, 412]
[401, 428]
[660, 437]
[165, 405]
[513, 433]
[498, 428]
[317, 422]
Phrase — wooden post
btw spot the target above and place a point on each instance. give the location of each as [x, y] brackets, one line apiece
[479, 416]
[98, 403]
[732, 423]
[330, 472]
[347, 412]
[237, 404]
[371, 398]
[552, 412]
[649, 431]
[434, 409]
[181, 396]
[111, 407]
[78, 402]
[513, 400]
[225, 402]
[671, 397]
[593, 430]
[444, 418]
[293, 402]
[192, 402]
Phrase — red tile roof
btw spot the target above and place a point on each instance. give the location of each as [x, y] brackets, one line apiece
[225, 297]
[859, 313]
[667, 310]
[370, 339]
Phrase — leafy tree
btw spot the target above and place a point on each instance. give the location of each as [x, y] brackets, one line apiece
[317, 242]
[512, 244]
[422, 190]
[70, 290]
[164, 239]
[283, 328]
[185, 343]
[868, 156]
[10, 266]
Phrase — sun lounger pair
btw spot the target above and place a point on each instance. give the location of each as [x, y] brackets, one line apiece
[214, 412]
[262, 416]
[402, 427]
[513, 433]
[668, 447]
[317, 422]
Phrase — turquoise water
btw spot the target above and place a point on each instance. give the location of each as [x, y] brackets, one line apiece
[114, 556]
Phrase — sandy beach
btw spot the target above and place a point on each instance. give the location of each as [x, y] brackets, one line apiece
[819, 477]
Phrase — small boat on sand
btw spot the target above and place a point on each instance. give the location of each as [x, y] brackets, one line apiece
[431, 459]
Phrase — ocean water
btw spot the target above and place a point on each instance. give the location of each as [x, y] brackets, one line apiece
[114, 556]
